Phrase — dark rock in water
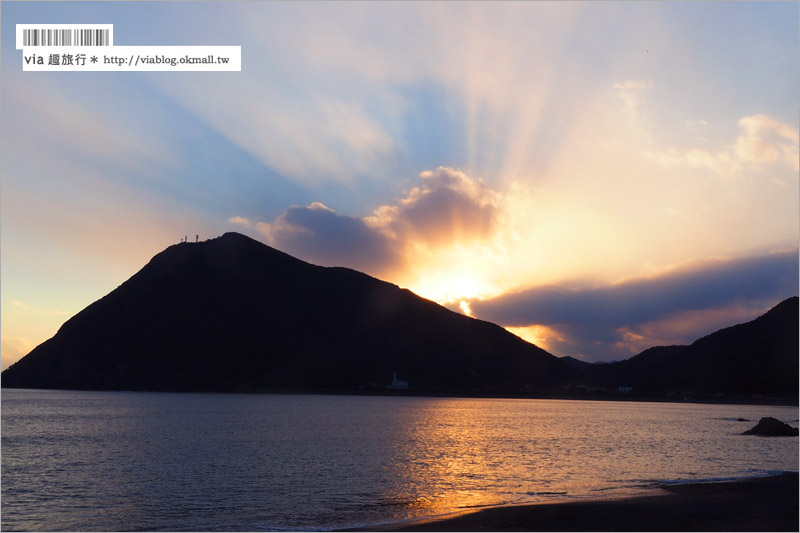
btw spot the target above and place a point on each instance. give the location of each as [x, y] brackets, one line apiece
[771, 427]
[743, 420]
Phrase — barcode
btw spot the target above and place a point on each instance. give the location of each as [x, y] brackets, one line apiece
[71, 35]
[60, 37]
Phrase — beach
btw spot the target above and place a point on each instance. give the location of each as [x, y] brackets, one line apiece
[759, 504]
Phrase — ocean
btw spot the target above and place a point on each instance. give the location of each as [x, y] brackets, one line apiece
[126, 461]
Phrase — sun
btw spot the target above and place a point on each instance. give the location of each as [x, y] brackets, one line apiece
[463, 286]
[457, 274]
[445, 288]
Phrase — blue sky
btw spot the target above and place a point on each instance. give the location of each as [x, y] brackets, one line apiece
[488, 156]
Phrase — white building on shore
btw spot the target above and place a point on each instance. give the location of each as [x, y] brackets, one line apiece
[397, 384]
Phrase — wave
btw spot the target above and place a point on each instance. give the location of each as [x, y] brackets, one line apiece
[750, 474]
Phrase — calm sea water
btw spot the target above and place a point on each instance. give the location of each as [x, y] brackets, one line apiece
[117, 461]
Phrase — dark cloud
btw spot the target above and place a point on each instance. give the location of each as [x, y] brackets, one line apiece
[646, 299]
[319, 235]
[588, 342]
[610, 321]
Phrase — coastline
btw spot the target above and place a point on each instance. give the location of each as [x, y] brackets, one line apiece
[793, 401]
[754, 504]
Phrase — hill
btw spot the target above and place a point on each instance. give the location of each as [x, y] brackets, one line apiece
[232, 314]
[757, 357]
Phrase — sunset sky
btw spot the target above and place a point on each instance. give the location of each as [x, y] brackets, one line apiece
[597, 177]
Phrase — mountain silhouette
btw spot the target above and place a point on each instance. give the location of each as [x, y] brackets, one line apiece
[757, 357]
[233, 314]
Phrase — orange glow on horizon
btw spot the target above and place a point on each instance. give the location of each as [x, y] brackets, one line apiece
[541, 336]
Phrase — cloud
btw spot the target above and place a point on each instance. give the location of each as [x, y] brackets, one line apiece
[316, 233]
[239, 221]
[28, 308]
[632, 94]
[762, 139]
[672, 307]
[767, 140]
[720, 163]
[449, 207]
[633, 85]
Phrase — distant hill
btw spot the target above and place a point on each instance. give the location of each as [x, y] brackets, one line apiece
[758, 357]
[232, 314]
[576, 363]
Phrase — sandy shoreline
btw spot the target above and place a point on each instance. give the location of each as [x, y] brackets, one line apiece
[760, 504]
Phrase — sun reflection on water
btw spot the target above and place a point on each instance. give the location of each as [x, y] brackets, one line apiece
[445, 459]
